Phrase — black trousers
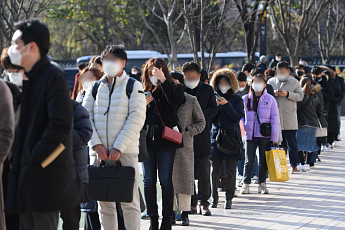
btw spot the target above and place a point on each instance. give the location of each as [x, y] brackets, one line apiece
[230, 189]
[92, 221]
[39, 220]
[71, 218]
[202, 174]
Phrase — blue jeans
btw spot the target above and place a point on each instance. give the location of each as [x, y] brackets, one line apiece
[163, 161]
[290, 137]
[240, 167]
[251, 146]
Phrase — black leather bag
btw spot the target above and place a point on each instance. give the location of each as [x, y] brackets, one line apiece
[228, 143]
[265, 128]
[111, 183]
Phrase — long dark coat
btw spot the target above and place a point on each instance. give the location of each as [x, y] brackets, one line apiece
[45, 123]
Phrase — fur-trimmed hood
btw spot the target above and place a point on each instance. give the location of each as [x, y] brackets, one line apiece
[226, 73]
[316, 88]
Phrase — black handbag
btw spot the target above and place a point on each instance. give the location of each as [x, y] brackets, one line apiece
[111, 183]
[228, 143]
[265, 128]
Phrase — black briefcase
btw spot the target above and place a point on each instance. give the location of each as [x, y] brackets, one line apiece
[111, 183]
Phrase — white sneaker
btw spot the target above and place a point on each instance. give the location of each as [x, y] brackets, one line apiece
[323, 148]
[301, 167]
[239, 181]
[262, 188]
[255, 180]
[245, 189]
[307, 167]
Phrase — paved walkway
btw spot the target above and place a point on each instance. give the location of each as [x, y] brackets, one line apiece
[309, 200]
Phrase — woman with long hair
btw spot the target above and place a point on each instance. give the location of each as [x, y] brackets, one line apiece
[163, 99]
[86, 79]
[260, 108]
[308, 112]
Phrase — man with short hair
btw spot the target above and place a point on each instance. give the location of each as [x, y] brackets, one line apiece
[288, 92]
[42, 178]
[202, 141]
[116, 118]
[275, 61]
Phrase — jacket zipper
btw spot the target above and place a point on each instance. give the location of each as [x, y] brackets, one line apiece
[107, 112]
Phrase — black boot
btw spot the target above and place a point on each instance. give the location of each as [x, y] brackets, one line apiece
[185, 220]
[228, 204]
[166, 223]
[154, 224]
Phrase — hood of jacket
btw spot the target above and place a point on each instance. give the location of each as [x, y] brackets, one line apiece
[228, 74]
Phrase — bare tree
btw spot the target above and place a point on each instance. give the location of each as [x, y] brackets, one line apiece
[295, 21]
[330, 30]
[12, 11]
[251, 18]
[167, 12]
[207, 24]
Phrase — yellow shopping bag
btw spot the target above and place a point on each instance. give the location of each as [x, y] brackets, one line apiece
[277, 165]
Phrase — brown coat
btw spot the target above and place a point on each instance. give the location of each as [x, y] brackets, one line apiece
[192, 119]
[6, 136]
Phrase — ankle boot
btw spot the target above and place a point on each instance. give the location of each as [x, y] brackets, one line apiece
[154, 225]
[166, 223]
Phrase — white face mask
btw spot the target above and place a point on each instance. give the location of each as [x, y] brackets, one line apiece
[278, 59]
[16, 78]
[15, 55]
[154, 80]
[283, 77]
[134, 72]
[224, 88]
[111, 68]
[191, 84]
[87, 84]
[258, 86]
[241, 89]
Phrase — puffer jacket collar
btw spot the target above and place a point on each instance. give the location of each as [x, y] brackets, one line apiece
[118, 80]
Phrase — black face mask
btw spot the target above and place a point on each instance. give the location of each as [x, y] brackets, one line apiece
[317, 79]
[300, 73]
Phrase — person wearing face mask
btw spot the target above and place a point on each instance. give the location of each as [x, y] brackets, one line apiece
[288, 92]
[135, 73]
[117, 119]
[242, 83]
[275, 61]
[15, 73]
[242, 91]
[308, 112]
[300, 71]
[43, 142]
[247, 70]
[193, 122]
[258, 71]
[86, 79]
[260, 107]
[163, 100]
[226, 123]
[332, 131]
[202, 142]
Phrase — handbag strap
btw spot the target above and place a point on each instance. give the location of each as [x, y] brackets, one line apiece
[257, 116]
[159, 114]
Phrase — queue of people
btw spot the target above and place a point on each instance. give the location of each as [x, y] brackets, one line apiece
[198, 138]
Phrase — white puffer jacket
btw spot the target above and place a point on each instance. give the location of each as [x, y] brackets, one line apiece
[119, 127]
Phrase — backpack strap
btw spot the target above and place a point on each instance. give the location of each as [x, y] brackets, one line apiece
[129, 87]
[95, 89]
